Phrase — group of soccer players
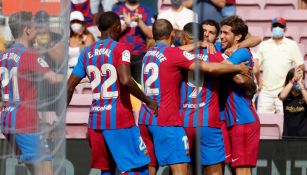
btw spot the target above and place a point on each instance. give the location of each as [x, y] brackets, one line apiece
[174, 104]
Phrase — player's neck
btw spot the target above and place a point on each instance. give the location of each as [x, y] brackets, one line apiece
[105, 35]
[132, 7]
[278, 40]
[23, 41]
[166, 42]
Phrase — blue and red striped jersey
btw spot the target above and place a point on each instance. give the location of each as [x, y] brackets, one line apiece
[85, 9]
[208, 113]
[133, 34]
[238, 108]
[20, 70]
[111, 107]
[161, 79]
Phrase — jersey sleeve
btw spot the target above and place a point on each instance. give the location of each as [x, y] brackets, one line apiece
[35, 64]
[182, 59]
[79, 69]
[122, 54]
[150, 18]
[239, 56]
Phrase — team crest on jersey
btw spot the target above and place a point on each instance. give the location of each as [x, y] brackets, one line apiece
[188, 55]
[126, 56]
[42, 62]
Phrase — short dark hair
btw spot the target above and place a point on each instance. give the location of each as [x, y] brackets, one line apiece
[107, 20]
[41, 17]
[189, 29]
[162, 29]
[18, 22]
[212, 22]
[238, 27]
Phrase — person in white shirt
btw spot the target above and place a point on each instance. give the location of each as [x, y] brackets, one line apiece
[178, 15]
[276, 56]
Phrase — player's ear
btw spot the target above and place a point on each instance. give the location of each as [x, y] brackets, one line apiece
[238, 38]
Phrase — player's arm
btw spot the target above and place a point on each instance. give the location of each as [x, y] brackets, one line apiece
[73, 81]
[250, 41]
[219, 3]
[126, 79]
[216, 69]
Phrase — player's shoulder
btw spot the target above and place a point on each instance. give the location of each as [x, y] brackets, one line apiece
[243, 51]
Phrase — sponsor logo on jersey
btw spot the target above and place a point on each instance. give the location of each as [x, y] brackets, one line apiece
[188, 55]
[126, 56]
[42, 62]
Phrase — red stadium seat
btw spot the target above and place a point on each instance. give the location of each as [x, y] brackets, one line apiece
[281, 5]
[271, 126]
[303, 37]
[296, 18]
[255, 30]
[244, 6]
[76, 124]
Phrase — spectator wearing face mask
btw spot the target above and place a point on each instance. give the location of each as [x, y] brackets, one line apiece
[80, 37]
[276, 56]
[178, 15]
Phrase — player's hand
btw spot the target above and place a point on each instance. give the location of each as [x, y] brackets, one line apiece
[127, 18]
[137, 17]
[211, 48]
[245, 70]
[230, 50]
[153, 105]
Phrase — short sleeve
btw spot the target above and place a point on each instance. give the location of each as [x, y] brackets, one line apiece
[35, 64]
[182, 59]
[297, 55]
[218, 46]
[122, 54]
[239, 56]
[79, 69]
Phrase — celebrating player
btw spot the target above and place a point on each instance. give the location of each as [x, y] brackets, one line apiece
[107, 65]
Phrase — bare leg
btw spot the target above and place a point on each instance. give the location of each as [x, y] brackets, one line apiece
[245, 170]
[179, 169]
[216, 169]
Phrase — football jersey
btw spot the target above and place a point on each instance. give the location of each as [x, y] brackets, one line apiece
[206, 95]
[133, 34]
[21, 69]
[85, 9]
[161, 79]
[238, 108]
[111, 107]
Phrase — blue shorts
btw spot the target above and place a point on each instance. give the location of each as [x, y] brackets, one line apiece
[211, 146]
[31, 147]
[171, 144]
[127, 148]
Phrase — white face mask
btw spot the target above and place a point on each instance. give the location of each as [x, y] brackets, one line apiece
[76, 27]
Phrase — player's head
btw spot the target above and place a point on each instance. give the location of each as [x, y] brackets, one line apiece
[162, 29]
[176, 4]
[22, 25]
[109, 23]
[133, 2]
[211, 30]
[193, 32]
[233, 31]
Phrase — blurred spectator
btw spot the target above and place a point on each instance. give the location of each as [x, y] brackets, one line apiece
[2, 44]
[276, 57]
[136, 22]
[294, 97]
[229, 9]
[51, 50]
[152, 4]
[210, 9]
[80, 37]
[104, 5]
[188, 3]
[302, 4]
[178, 15]
[84, 7]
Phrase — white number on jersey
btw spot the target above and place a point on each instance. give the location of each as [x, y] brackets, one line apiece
[105, 69]
[142, 145]
[192, 83]
[154, 69]
[7, 76]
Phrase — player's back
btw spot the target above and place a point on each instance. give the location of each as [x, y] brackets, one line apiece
[111, 107]
[161, 78]
[21, 69]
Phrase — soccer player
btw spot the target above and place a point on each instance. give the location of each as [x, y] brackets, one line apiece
[107, 65]
[207, 117]
[161, 80]
[241, 118]
[21, 68]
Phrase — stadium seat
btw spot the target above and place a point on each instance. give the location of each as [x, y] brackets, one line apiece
[76, 131]
[281, 5]
[303, 50]
[303, 36]
[261, 18]
[80, 103]
[255, 30]
[76, 124]
[296, 18]
[83, 88]
[244, 6]
[271, 126]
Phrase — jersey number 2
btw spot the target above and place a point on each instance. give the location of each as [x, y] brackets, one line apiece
[8, 76]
